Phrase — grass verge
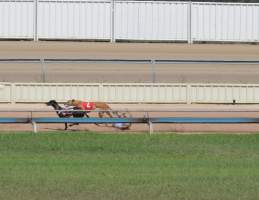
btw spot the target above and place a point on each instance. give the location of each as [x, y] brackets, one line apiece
[128, 166]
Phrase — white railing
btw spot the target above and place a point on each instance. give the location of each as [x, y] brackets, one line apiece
[112, 20]
[130, 92]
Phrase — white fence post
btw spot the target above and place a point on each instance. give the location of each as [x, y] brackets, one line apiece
[100, 92]
[13, 96]
[153, 63]
[112, 21]
[34, 125]
[35, 20]
[43, 70]
[188, 93]
[189, 23]
[151, 129]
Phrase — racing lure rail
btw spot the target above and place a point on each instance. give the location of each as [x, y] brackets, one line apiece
[146, 120]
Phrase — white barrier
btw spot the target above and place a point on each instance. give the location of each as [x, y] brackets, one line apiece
[225, 22]
[129, 20]
[130, 92]
[151, 20]
[74, 20]
[17, 19]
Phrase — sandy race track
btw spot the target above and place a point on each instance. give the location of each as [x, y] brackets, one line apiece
[133, 73]
[214, 111]
[173, 73]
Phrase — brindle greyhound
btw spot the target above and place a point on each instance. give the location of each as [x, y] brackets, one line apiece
[65, 113]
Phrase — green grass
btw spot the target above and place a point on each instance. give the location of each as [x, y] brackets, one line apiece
[128, 166]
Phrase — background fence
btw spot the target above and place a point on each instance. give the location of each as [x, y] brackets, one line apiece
[130, 92]
[129, 20]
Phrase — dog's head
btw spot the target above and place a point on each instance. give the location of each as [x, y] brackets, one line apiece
[73, 102]
[51, 102]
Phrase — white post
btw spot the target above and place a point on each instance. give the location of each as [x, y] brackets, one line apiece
[188, 93]
[12, 95]
[112, 21]
[189, 23]
[43, 70]
[153, 62]
[100, 92]
[151, 130]
[149, 123]
[35, 21]
[34, 127]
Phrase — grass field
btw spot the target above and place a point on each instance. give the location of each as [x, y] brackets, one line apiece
[128, 166]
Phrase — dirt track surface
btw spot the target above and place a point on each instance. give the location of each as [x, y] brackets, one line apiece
[213, 111]
[21, 49]
[174, 73]
[134, 73]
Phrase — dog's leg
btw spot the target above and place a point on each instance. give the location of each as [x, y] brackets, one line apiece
[73, 124]
[65, 126]
[100, 115]
[115, 113]
[109, 114]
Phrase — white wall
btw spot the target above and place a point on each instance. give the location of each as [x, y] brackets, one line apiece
[16, 19]
[224, 93]
[130, 92]
[74, 20]
[129, 20]
[225, 22]
[151, 20]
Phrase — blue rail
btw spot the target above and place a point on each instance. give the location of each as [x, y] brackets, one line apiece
[198, 120]
[14, 120]
[146, 120]
[88, 120]
[130, 120]
[149, 120]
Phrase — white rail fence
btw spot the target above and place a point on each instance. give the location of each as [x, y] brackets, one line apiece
[129, 20]
[130, 92]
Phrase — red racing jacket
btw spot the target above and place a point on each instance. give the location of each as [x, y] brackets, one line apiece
[87, 105]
